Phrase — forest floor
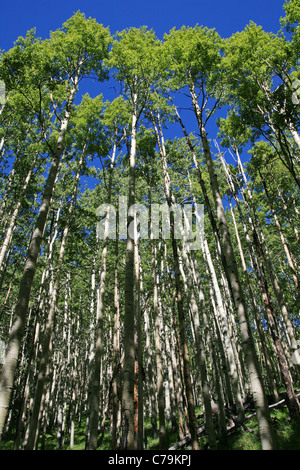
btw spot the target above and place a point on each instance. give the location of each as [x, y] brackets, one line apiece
[247, 438]
[287, 434]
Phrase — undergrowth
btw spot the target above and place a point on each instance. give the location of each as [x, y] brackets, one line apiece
[287, 434]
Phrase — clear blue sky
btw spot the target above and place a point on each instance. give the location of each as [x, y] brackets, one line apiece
[227, 16]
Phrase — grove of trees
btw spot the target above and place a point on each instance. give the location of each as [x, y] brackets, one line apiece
[135, 334]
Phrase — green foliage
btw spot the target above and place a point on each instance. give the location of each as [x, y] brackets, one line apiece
[41, 72]
[233, 131]
[258, 77]
[192, 55]
[86, 128]
[134, 60]
[291, 23]
[80, 43]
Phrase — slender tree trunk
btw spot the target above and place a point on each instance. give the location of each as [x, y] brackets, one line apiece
[138, 386]
[170, 414]
[179, 298]
[288, 214]
[140, 360]
[16, 333]
[91, 351]
[95, 389]
[129, 319]
[294, 269]
[74, 383]
[176, 366]
[158, 355]
[116, 342]
[261, 405]
[292, 401]
[259, 238]
[200, 349]
[15, 213]
[44, 360]
[5, 197]
[259, 270]
[150, 376]
[271, 379]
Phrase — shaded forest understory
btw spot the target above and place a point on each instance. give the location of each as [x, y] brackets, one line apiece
[239, 437]
[149, 263]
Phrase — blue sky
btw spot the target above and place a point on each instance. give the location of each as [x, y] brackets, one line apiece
[227, 17]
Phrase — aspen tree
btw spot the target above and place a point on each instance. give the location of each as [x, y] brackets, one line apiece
[179, 298]
[158, 347]
[200, 348]
[15, 213]
[133, 58]
[260, 238]
[149, 365]
[95, 40]
[95, 388]
[116, 340]
[271, 379]
[90, 351]
[49, 324]
[201, 70]
[253, 262]
[235, 136]
[293, 406]
[263, 59]
[291, 260]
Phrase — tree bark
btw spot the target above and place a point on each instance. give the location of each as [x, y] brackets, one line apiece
[16, 333]
[46, 340]
[179, 298]
[294, 269]
[158, 355]
[95, 388]
[116, 342]
[265, 427]
[15, 213]
[129, 318]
